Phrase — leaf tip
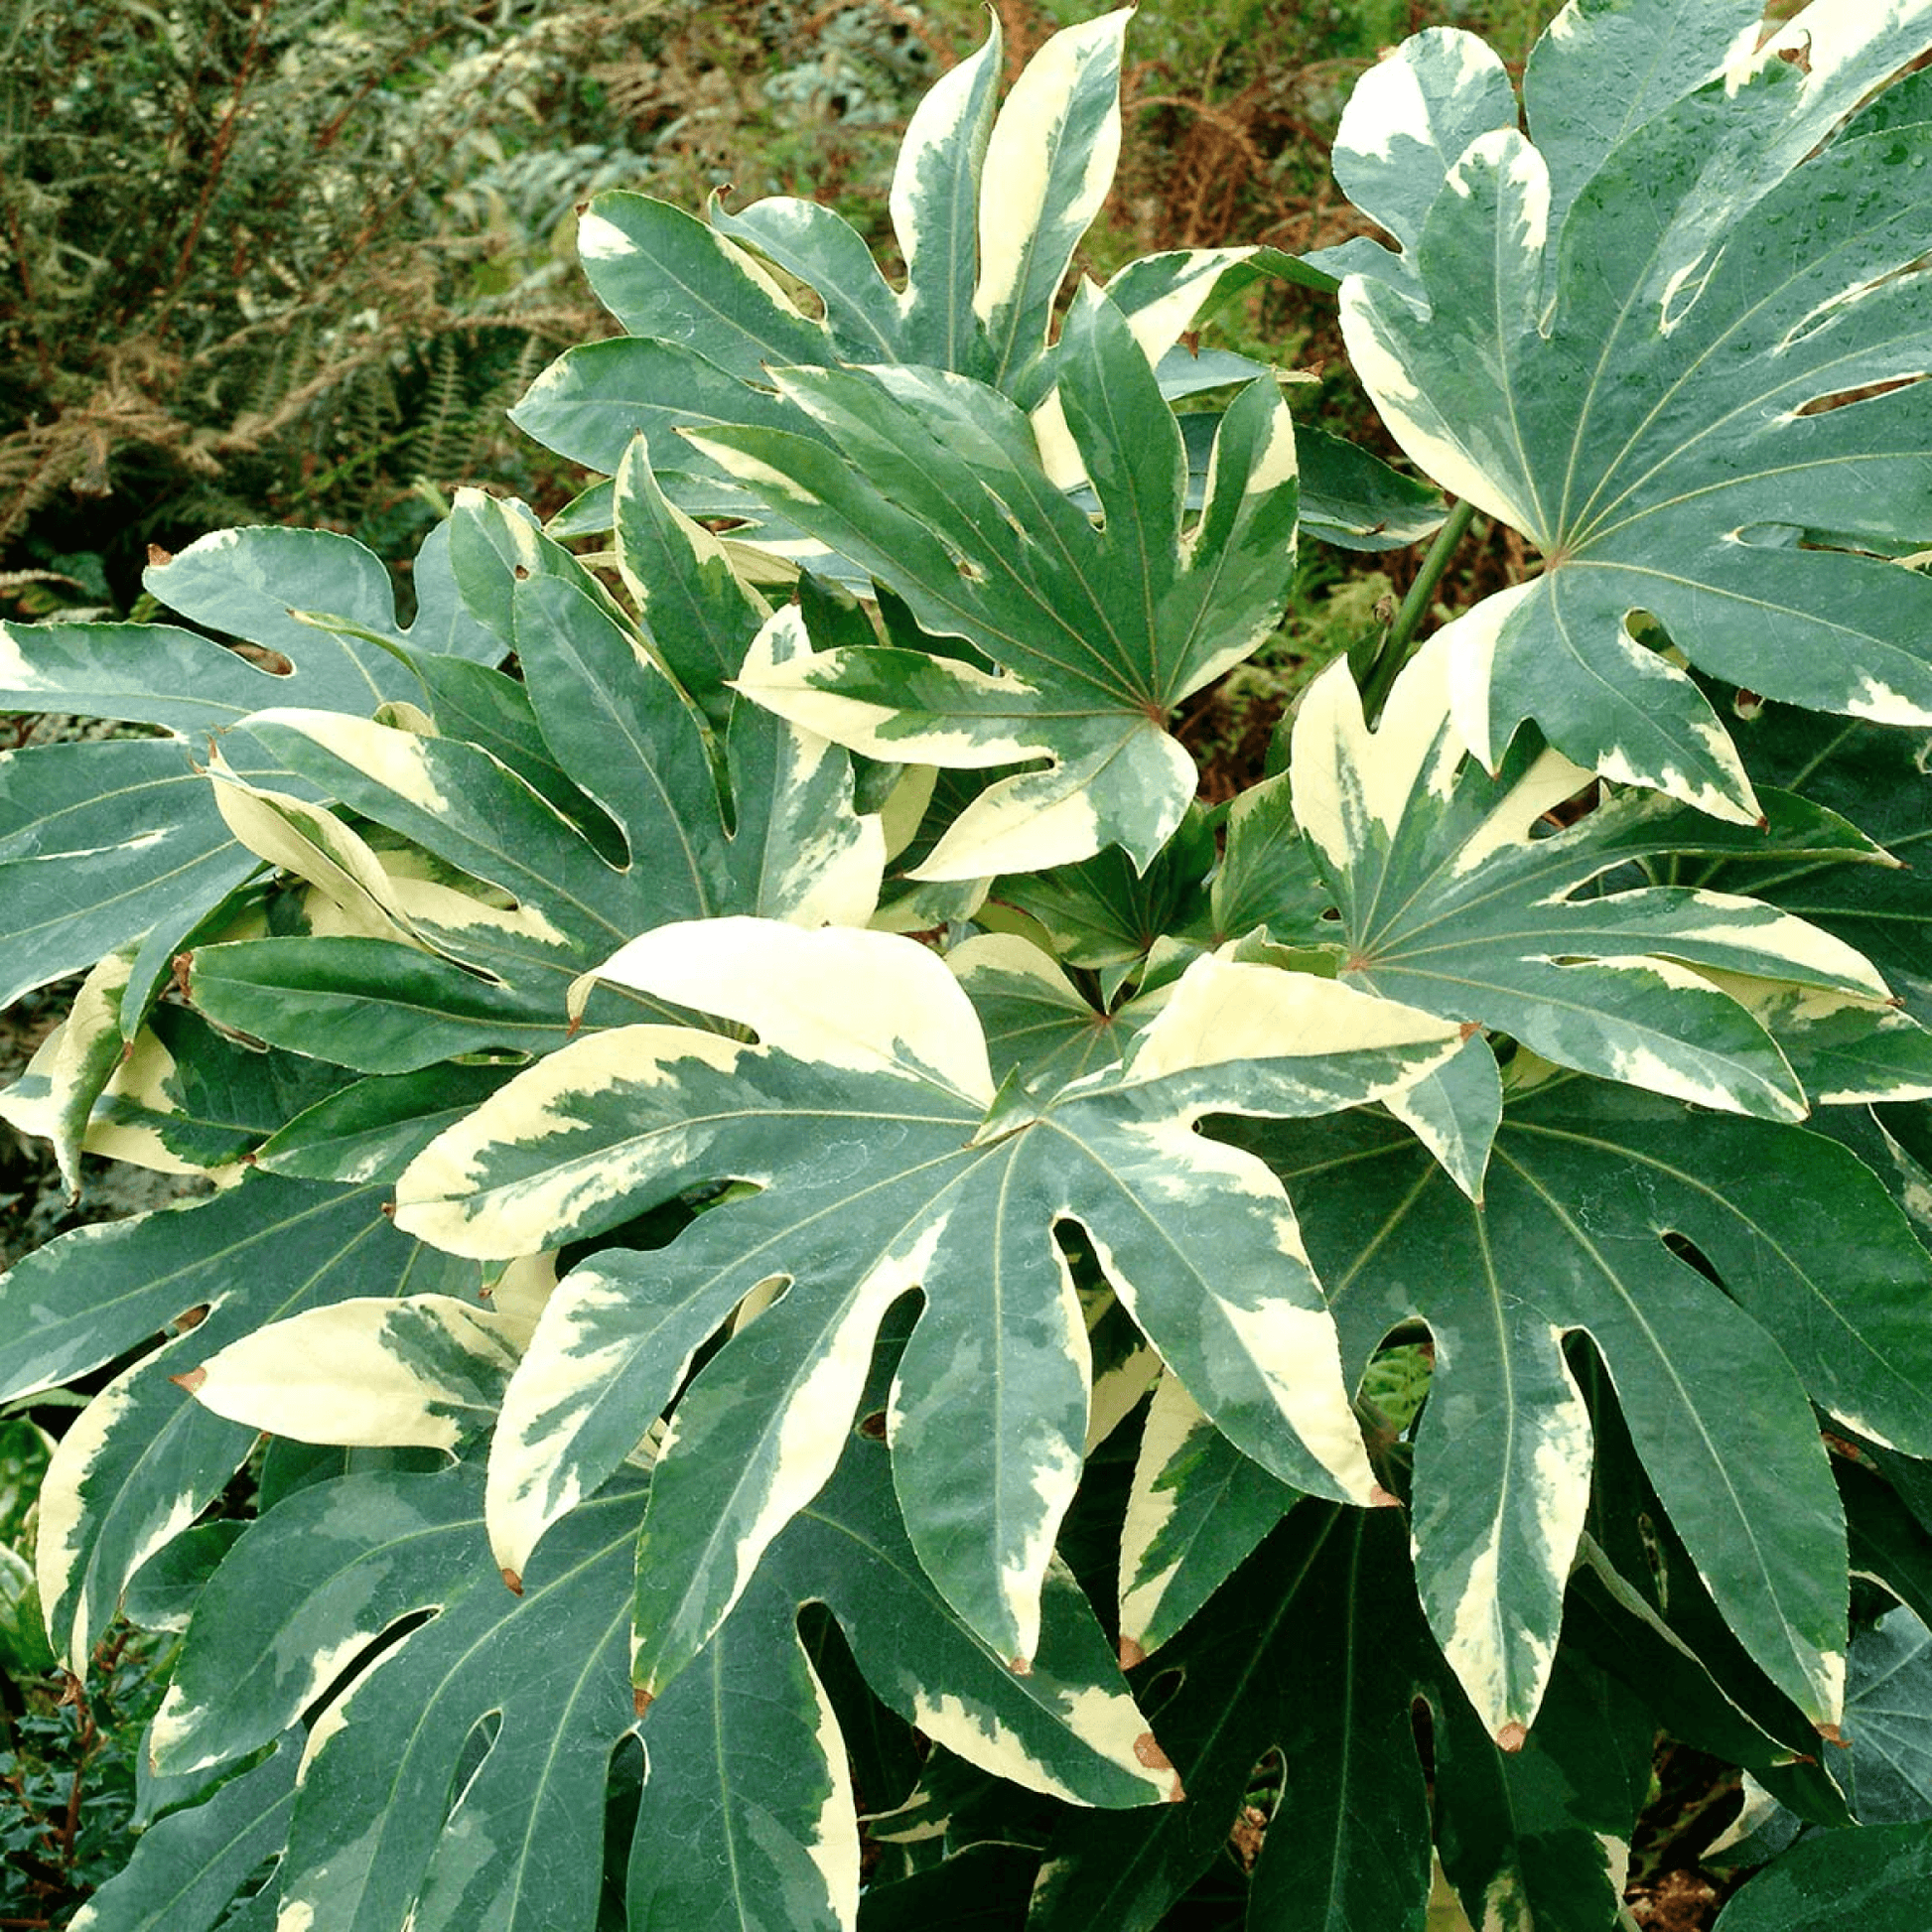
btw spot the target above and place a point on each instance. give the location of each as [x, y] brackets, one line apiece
[641, 1698]
[1380, 1498]
[1021, 1666]
[1148, 1751]
[1470, 1029]
[1833, 1736]
[1130, 1653]
[512, 1581]
[1512, 1736]
[191, 1381]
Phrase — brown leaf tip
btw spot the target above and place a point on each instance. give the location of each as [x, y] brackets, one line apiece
[641, 1698]
[1512, 1737]
[1470, 1029]
[1380, 1498]
[1130, 1653]
[158, 558]
[513, 1583]
[191, 1381]
[1147, 1749]
[1021, 1666]
[1833, 1736]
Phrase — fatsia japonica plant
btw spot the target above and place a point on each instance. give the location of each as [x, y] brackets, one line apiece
[826, 1303]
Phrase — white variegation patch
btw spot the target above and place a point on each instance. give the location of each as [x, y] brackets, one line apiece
[67, 1521]
[1017, 173]
[310, 842]
[833, 1846]
[1502, 1666]
[1469, 643]
[1223, 1011]
[1173, 1420]
[870, 1002]
[57, 1084]
[371, 1371]
[1388, 104]
[1350, 784]
[396, 759]
[983, 737]
[450, 1194]
[15, 673]
[904, 809]
[1022, 824]
[524, 1286]
[828, 871]
[934, 127]
[1424, 438]
[1878, 701]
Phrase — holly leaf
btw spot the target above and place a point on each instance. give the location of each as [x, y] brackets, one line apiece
[185, 1868]
[1448, 899]
[1664, 1236]
[867, 1121]
[1095, 634]
[1670, 337]
[1315, 1658]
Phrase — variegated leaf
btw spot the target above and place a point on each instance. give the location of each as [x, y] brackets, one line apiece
[102, 844]
[1672, 337]
[1094, 633]
[744, 1762]
[799, 849]
[1448, 899]
[1592, 1195]
[1198, 1510]
[416, 1370]
[868, 1120]
[142, 1460]
[178, 1099]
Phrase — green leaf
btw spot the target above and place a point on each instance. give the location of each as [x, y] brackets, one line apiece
[884, 1161]
[1315, 1650]
[1878, 778]
[1586, 1183]
[79, 885]
[1447, 901]
[1873, 1879]
[371, 1128]
[1097, 632]
[1659, 343]
[699, 615]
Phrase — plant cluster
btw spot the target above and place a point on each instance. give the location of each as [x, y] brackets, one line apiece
[840, 1305]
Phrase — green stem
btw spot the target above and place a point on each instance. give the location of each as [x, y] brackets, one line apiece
[1399, 646]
